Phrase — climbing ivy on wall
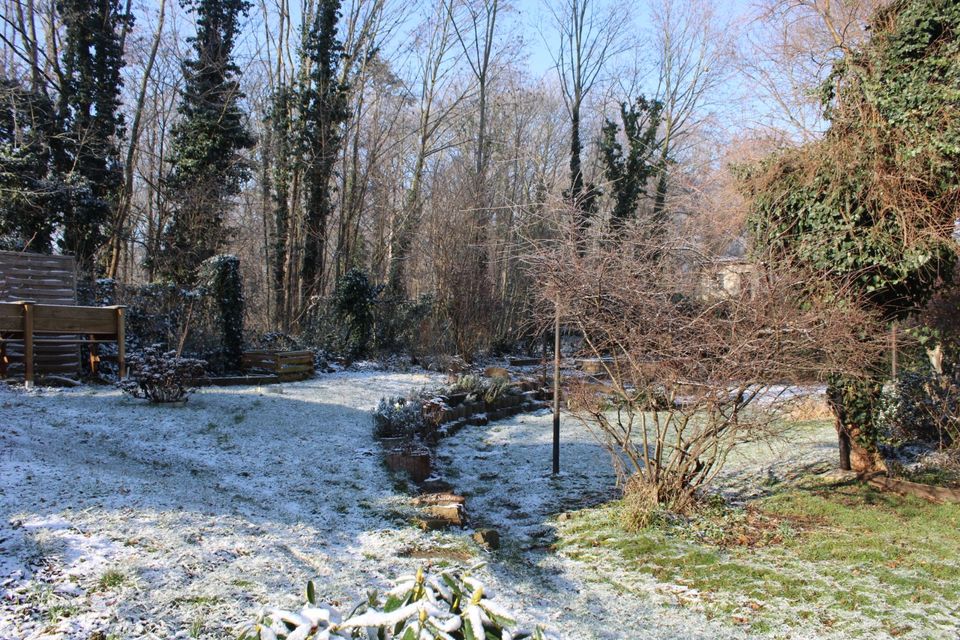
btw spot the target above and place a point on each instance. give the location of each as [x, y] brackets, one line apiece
[873, 205]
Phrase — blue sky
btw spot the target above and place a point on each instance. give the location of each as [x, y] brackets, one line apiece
[531, 17]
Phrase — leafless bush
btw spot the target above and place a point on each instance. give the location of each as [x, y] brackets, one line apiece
[691, 370]
[160, 376]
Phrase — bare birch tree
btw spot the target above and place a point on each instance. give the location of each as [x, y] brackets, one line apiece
[588, 35]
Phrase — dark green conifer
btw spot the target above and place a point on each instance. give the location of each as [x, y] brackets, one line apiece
[207, 164]
[87, 150]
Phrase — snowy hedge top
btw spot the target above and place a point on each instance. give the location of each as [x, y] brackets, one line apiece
[445, 606]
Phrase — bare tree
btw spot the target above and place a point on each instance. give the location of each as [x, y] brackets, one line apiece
[367, 24]
[692, 370]
[589, 34]
[476, 31]
[119, 224]
[691, 52]
[435, 65]
[787, 52]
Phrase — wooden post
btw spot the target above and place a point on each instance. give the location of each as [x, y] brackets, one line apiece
[121, 344]
[556, 389]
[94, 357]
[27, 344]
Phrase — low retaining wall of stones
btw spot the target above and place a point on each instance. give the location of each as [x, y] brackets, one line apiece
[463, 413]
[439, 505]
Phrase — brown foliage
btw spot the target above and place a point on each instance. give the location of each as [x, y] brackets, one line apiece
[693, 371]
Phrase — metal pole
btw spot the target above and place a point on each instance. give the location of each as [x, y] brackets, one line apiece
[893, 346]
[556, 389]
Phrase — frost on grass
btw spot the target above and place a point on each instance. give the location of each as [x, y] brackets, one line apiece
[847, 562]
[232, 502]
[209, 509]
[145, 521]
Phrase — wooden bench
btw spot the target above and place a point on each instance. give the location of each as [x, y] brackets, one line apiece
[32, 324]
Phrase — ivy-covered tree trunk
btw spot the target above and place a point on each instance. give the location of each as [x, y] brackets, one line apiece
[324, 110]
[87, 153]
[284, 167]
[207, 168]
[854, 403]
[576, 167]
[221, 274]
[871, 207]
[31, 192]
[628, 170]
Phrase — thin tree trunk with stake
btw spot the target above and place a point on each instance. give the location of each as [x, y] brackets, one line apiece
[556, 389]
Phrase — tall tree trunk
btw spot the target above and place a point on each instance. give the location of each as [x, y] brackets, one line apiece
[660, 196]
[401, 238]
[126, 197]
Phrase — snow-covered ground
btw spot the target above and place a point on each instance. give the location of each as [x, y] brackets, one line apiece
[120, 519]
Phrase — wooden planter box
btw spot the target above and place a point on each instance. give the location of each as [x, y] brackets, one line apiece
[286, 365]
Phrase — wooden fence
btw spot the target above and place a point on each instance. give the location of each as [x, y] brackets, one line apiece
[43, 279]
[33, 325]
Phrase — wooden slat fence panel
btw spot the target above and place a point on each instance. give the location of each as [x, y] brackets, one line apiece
[44, 279]
[85, 320]
[293, 364]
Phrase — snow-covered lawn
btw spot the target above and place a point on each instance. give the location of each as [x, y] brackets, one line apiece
[141, 521]
[194, 514]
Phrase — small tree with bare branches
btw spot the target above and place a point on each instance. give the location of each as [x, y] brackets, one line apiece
[694, 371]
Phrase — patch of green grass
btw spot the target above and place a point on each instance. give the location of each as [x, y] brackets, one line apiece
[54, 607]
[856, 559]
[196, 628]
[199, 601]
[112, 579]
[59, 610]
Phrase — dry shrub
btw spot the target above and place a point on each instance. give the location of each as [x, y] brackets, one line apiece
[645, 504]
[690, 372]
[807, 408]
